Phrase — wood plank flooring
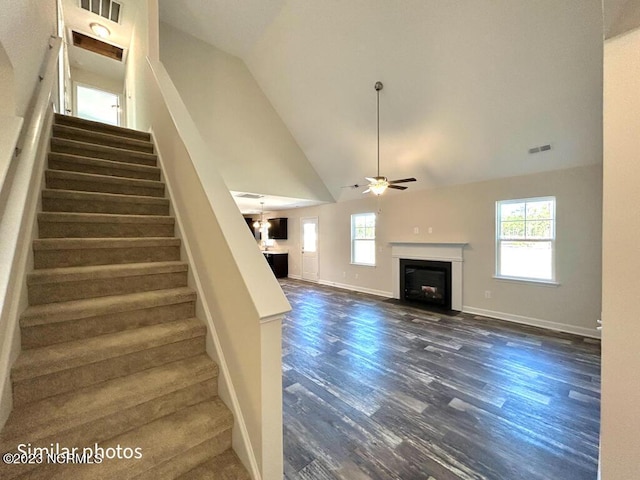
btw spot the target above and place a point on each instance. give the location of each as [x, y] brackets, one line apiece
[378, 390]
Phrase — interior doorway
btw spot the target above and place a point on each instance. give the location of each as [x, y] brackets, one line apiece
[98, 105]
[309, 236]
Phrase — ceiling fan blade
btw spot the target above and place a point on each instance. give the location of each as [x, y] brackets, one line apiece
[397, 187]
[355, 185]
[403, 180]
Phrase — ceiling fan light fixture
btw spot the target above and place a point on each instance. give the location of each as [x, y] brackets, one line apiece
[379, 186]
[100, 30]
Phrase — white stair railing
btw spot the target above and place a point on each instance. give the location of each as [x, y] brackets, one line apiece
[19, 195]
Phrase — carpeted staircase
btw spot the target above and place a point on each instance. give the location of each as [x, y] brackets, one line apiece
[111, 351]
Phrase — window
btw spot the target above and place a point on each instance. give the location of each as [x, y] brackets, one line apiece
[363, 238]
[525, 238]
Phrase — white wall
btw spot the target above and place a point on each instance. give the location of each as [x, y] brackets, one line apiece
[466, 213]
[25, 28]
[254, 150]
[620, 454]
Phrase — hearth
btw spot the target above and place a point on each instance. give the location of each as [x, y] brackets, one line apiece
[426, 282]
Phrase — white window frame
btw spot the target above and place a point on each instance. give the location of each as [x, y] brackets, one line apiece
[552, 240]
[369, 239]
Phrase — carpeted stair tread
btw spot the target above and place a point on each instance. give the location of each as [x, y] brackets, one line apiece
[91, 182]
[90, 307]
[63, 145]
[94, 202]
[75, 274]
[72, 252]
[101, 138]
[225, 466]
[84, 217]
[77, 163]
[101, 127]
[104, 225]
[47, 360]
[56, 414]
[161, 440]
[93, 243]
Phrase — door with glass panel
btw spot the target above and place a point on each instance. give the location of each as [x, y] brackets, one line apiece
[309, 236]
[98, 105]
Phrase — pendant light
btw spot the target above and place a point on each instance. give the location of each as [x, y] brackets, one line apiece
[262, 225]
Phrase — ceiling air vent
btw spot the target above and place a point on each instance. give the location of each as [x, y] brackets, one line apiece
[96, 46]
[105, 8]
[542, 148]
[248, 195]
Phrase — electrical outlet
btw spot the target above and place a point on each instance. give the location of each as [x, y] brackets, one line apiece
[430, 230]
[487, 294]
[357, 275]
[416, 230]
[344, 274]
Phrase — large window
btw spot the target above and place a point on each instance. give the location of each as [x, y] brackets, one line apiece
[525, 238]
[363, 238]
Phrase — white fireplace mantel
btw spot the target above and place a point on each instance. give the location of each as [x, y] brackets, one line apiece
[443, 252]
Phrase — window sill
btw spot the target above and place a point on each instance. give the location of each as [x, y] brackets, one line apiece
[532, 281]
[363, 264]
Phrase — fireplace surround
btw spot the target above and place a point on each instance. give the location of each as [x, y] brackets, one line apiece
[450, 253]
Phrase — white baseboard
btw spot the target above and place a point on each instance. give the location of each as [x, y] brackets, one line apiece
[295, 277]
[356, 288]
[534, 322]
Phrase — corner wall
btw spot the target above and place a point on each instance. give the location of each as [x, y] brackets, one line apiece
[25, 28]
[620, 443]
[466, 213]
[254, 150]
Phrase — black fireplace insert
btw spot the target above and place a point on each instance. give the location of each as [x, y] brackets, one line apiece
[426, 282]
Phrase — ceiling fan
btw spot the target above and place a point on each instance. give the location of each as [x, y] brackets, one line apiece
[378, 184]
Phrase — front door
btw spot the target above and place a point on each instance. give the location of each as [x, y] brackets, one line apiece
[98, 105]
[309, 235]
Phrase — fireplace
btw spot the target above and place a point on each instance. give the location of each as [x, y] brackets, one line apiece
[449, 253]
[426, 282]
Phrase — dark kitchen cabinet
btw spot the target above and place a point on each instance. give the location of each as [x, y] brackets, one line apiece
[278, 229]
[279, 263]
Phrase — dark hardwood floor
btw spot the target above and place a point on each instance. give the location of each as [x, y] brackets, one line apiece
[378, 390]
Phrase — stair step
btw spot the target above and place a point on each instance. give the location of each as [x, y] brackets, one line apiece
[225, 466]
[169, 439]
[75, 163]
[100, 127]
[75, 283]
[52, 323]
[100, 412]
[103, 225]
[78, 252]
[73, 147]
[100, 138]
[93, 202]
[99, 403]
[90, 182]
[55, 369]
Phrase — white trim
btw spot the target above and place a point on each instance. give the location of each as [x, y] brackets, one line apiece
[271, 318]
[225, 376]
[443, 252]
[542, 283]
[295, 277]
[534, 322]
[356, 288]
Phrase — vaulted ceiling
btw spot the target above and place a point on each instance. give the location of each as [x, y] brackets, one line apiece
[469, 86]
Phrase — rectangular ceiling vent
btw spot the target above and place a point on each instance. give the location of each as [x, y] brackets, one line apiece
[105, 8]
[542, 148]
[97, 46]
[248, 195]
